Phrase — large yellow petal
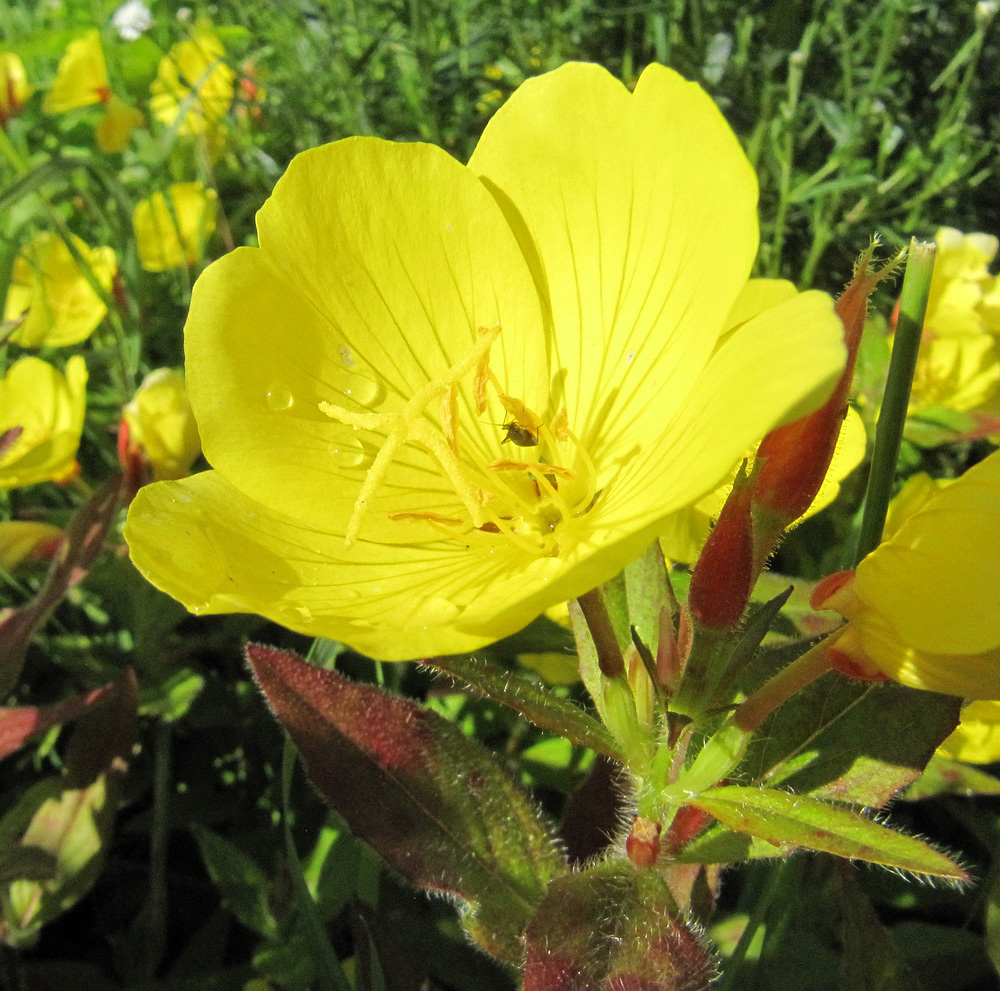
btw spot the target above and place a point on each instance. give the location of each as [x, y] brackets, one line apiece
[378, 264]
[208, 545]
[638, 213]
[936, 580]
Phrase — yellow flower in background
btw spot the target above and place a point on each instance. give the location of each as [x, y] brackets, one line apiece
[160, 420]
[117, 126]
[53, 295]
[82, 76]
[14, 88]
[23, 541]
[958, 365]
[924, 607]
[41, 419]
[963, 293]
[440, 399]
[173, 234]
[193, 88]
[976, 740]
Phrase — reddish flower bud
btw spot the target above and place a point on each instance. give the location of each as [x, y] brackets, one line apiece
[723, 574]
[795, 458]
[643, 843]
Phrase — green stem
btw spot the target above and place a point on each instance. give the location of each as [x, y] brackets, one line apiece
[595, 612]
[787, 682]
[892, 417]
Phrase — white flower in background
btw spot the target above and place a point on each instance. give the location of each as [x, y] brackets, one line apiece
[131, 19]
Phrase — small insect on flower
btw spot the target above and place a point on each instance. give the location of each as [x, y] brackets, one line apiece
[523, 429]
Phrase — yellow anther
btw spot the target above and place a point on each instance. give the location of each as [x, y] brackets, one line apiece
[535, 467]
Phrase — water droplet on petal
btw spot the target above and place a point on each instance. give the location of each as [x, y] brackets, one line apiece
[349, 452]
[364, 391]
[279, 397]
[346, 355]
[630, 357]
[437, 610]
[295, 615]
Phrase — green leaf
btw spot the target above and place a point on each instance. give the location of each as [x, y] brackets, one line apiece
[870, 961]
[70, 818]
[943, 776]
[245, 888]
[432, 802]
[531, 700]
[851, 742]
[789, 821]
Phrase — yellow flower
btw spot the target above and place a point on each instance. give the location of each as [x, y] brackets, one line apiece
[173, 235]
[82, 76]
[26, 540]
[440, 399]
[14, 88]
[924, 607]
[41, 417]
[117, 125]
[193, 88]
[976, 740]
[160, 420]
[958, 365]
[53, 295]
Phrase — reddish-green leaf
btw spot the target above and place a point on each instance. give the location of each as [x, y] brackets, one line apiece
[18, 724]
[789, 821]
[432, 802]
[69, 819]
[83, 542]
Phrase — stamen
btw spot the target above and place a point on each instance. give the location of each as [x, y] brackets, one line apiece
[428, 517]
[449, 418]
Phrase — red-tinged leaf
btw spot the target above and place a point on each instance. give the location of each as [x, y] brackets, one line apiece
[18, 724]
[431, 801]
[788, 821]
[532, 701]
[944, 776]
[83, 542]
[70, 818]
[613, 927]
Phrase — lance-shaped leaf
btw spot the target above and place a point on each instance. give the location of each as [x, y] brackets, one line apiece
[70, 818]
[613, 927]
[788, 821]
[851, 742]
[432, 802]
[78, 551]
[18, 724]
[540, 706]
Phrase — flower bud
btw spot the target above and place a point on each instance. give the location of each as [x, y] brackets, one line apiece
[723, 574]
[795, 458]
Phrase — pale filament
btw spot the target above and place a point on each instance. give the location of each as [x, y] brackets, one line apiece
[493, 504]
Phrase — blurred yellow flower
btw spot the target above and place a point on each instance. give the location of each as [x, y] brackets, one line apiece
[976, 740]
[82, 76]
[117, 125]
[160, 420]
[924, 607]
[193, 88]
[41, 419]
[14, 88]
[440, 399]
[22, 541]
[173, 234]
[50, 291]
[958, 365]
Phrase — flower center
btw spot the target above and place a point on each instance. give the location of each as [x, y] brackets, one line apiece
[523, 501]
